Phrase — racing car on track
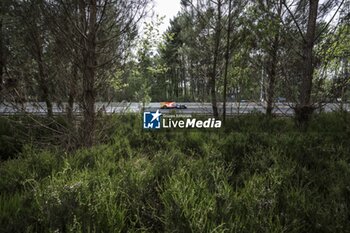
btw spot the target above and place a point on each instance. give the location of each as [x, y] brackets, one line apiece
[172, 105]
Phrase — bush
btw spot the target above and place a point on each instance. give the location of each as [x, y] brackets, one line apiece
[195, 198]
[235, 179]
[10, 138]
[18, 213]
[30, 165]
[80, 202]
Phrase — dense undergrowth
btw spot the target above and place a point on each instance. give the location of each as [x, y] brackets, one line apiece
[253, 175]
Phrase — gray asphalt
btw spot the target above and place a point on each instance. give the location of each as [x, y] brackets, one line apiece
[232, 108]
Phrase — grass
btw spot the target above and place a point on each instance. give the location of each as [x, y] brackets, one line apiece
[253, 175]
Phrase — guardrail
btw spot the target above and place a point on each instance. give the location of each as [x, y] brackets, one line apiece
[232, 108]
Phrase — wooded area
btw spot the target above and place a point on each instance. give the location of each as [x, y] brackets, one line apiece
[95, 172]
[87, 51]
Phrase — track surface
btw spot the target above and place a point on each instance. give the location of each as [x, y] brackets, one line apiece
[232, 108]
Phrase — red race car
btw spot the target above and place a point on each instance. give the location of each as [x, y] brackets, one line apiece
[172, 105]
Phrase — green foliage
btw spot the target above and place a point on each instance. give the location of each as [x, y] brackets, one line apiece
[142, 80]
[18, 131]
[80, 201]
[9, 139]
[253, 175]
[18, 213]
[31, 165]
[195, 198]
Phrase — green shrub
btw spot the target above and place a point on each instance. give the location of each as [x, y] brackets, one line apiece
[18, 213]
[80, 202]
[261, 175]
[11, 139]
[195, 198]
[30, 165]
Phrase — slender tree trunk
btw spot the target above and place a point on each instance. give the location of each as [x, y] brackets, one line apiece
[227, 60]
[183, 74]
[2, 58]
[273, 60]
[215, 61]
[89, 71]
[73, 81]
[272, 75]
[176, 83]
[308, 54]
[43, 81]
[345, 79]
[72, 92]
[303, 110]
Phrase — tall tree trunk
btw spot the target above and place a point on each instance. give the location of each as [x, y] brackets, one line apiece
[2, 57]
[37, 35]
[43, 81]
[89, 70]
[72, 92]
[272, 75]
[215, 61]
[273, 60]
[73, 81]
[303, 110]
[183, 75]
[344, 82]
[227, 60]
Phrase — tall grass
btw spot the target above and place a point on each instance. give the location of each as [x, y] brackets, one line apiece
[253, 175]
